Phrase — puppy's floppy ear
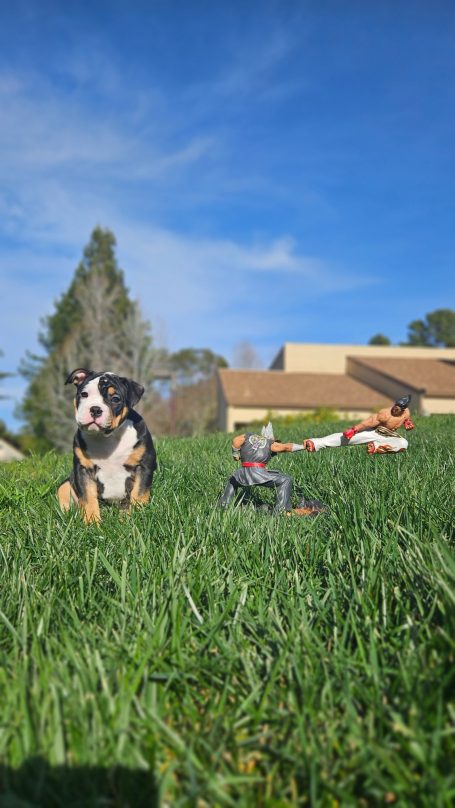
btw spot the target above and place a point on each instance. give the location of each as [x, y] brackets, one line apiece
[135, 391]
[78, 376]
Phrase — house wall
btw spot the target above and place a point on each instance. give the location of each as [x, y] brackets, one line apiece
[237, 417]
[317, 358]
[9, 453]
[222, 409]
[280, 359]
[438, 406]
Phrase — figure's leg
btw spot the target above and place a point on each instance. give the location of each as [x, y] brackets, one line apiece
[387, 445]
[379, 444]
[397, 444]
[335, 439]
[229, 491]
[367, 436]
[283, 484]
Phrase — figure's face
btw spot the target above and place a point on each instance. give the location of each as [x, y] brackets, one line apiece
[396, 411]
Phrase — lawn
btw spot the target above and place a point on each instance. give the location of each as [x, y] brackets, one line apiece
[186, 656]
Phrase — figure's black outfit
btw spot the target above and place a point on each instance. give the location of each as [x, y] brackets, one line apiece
[255, 453]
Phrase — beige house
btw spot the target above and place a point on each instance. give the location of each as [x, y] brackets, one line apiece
[9, 452]
[353, 380]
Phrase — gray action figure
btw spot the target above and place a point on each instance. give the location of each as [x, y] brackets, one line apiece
[254, 452]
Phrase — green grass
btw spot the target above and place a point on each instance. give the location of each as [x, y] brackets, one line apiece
[186, 656]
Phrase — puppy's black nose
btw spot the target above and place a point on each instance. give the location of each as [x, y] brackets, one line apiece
[96, 411]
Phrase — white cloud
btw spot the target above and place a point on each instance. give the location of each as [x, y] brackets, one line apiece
[68, 163]
[252, 71]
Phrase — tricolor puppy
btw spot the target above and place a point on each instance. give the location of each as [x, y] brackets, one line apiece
[114, 455]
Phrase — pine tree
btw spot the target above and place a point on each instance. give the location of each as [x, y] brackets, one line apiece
[98, 262]
[3, 375]
[94, 325]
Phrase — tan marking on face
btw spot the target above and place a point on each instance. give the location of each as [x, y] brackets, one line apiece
[135, 457]
[90, 505]
[111, 390]
[117, 420]
[83, 458]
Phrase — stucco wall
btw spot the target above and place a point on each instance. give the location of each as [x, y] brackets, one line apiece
[9, 453]
[317, 358]
[222, 408]
[233, 418]
[438, 406]
[237, 417]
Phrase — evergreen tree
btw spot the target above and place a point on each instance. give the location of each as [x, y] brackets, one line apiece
[94, 325]
[3, 375]
[98, 263]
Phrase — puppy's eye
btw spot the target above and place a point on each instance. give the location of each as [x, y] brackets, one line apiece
[84, 395]
[115, 399]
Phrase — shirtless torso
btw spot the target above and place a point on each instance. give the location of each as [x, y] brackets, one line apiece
[385, 418]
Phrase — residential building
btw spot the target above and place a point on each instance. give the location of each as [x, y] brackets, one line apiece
[352, 380]
[9, 452]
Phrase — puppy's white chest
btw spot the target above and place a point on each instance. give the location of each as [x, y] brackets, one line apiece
[110, 459]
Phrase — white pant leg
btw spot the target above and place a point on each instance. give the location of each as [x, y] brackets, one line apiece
[371, 436]
[367, 436]
[336, 439]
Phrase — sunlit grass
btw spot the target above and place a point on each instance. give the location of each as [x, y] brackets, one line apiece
[240, 658]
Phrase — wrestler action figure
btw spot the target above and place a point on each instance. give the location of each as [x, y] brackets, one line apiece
[254, 452]
[378, 431]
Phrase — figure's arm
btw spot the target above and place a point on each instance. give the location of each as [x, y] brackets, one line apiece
[286, 447]
[237, 443]
[369, 423]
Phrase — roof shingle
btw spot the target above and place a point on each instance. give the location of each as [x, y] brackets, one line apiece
[436, 377]
[280, 389]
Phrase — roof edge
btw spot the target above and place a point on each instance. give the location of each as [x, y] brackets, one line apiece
[362, 361]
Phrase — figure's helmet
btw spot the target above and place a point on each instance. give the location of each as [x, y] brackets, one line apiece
[267, 431]
[403, 402]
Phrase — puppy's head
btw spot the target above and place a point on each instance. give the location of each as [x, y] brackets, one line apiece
[103, 400]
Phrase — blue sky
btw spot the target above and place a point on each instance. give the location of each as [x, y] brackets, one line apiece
[272, 171]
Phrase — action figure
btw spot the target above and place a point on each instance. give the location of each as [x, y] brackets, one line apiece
[378, 431]
[254, 452]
